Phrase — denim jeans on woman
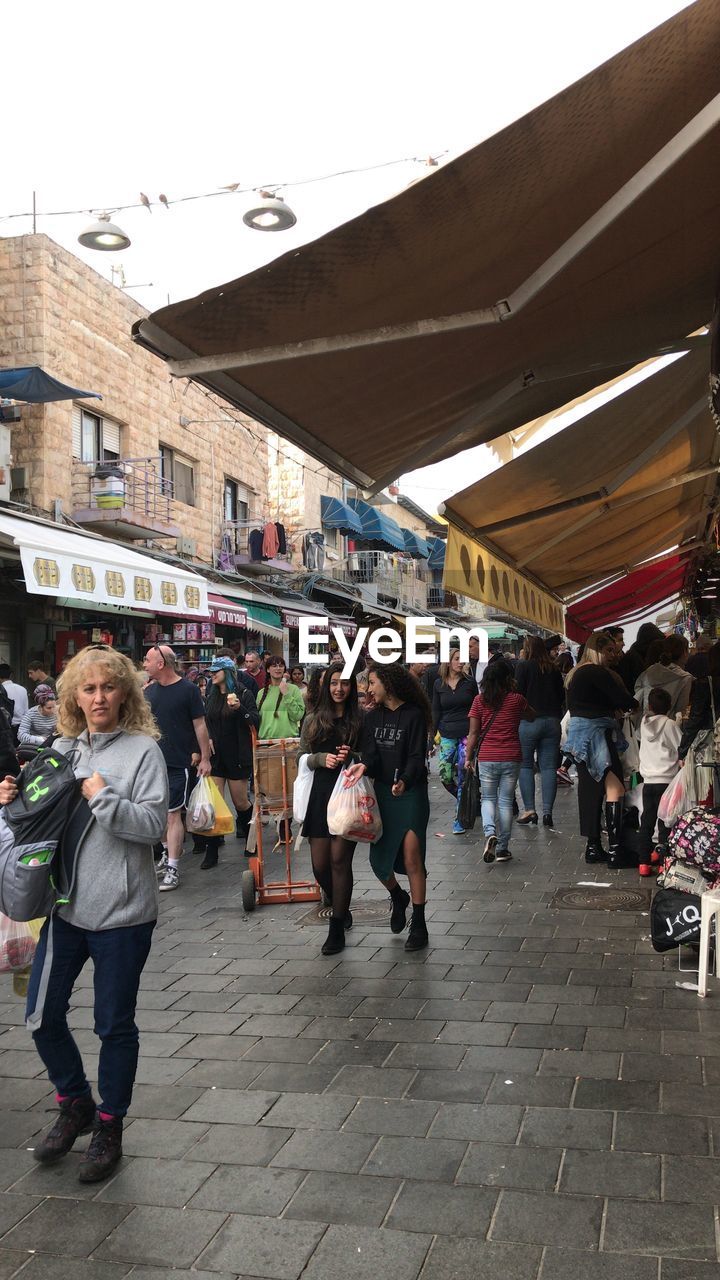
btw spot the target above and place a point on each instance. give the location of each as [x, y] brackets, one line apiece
[539, 737]
[498, 779]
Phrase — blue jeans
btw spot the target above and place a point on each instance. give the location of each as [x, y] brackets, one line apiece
[539, 737]
[498, 779]
[118, 957]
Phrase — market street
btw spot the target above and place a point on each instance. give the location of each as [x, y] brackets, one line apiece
[531, 1097]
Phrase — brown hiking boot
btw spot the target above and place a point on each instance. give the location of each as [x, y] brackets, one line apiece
[76, 1117]
[104, 1151]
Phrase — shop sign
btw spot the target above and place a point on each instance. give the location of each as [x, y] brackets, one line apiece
[226, 613]
[91, 580]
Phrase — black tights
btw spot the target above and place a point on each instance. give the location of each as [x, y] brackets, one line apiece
[332, 864]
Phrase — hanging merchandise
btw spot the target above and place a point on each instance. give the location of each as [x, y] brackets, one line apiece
[281, 537]
[270, 543]
[314, 551]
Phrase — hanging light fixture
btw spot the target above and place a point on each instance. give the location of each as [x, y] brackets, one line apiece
[269, 213]
[104, 235]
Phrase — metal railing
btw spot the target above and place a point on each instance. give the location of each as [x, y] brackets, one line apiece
[396, 577]
[439, 598]
[237, 538]
[139, 488]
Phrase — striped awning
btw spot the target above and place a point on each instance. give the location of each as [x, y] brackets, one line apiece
[377, 527]
[415, 545]
[335, 514]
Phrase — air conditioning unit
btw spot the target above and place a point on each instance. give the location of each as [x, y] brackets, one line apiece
[10, 413]
[18, 477]
[186, 546]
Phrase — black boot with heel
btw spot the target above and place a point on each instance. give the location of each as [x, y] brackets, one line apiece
[335, 940]
[614, 823]
[211, 853]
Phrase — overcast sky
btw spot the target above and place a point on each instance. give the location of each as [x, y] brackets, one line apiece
[103, 102]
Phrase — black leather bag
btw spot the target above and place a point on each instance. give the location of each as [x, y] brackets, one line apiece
[674, 919]
[469, 800]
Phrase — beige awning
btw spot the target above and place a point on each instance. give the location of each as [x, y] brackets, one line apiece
[631, 479]
[576, 242]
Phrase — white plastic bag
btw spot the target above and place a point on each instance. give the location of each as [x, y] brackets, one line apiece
[302, 787]
[200, 815]
[353, 811]
[674, 800]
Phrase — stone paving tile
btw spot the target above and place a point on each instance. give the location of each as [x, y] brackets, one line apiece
[152, 1236]
[72, 1228]
[569, 1264]
[155, 1182]
[310, 1111]
[527, 1217]
[13, 1208]
[230, 1106]
[13, 1164]
[238, 1144]
[691, 1178]
[172, 1137]
[491, 1165]
[660, 1133]
[342, 1053]
[365, 1252]
[621, 1174]
[330, 1153]
[247, 1189]
[434, 1057]
[435, 1160]
[476, 1260]
[453, 1211]
[44, 1267]
[345, 1199]
[401, 1117]
[680, 1230]
[372, 1082]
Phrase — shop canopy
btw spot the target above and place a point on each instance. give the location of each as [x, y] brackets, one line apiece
[635, 477]
[633, 594]
[227, 613]
[83, 571]
[415, 545]
[34, 386]
[335, 514]
[437, 553]
[576, 242]
[377, 527]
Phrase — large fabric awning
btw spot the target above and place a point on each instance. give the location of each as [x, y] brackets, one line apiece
[377, 527]
[632, 479]
[34, 386]
[415, 545]
[576, 242]
[437, 553]
[335, 514]
[92, 571]
[633, 594]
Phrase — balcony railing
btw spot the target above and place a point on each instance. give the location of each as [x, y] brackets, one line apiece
[236, 547]
[398, 580]
[128, 491]
[439, 598]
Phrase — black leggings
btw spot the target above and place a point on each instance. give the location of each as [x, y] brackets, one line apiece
[332, 860]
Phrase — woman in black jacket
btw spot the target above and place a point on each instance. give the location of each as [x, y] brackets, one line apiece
[400, 722]
[700, 715]
[540, 682]
[230, 711]
[454, 692]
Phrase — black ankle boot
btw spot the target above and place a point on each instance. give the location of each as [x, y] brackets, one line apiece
[242, 826]
[614, 824]
[104, 1151]
[211, 854]
[335, 940]
[400, 903]
[594, 852]
[418, 936]
[199, 844]
[77, 1116]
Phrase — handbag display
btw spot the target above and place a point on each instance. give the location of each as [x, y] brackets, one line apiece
[695, 840]
[706, 743]
[674, 919]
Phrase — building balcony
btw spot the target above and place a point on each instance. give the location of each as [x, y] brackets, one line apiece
[127, 498]
[439, 598]
[237, 552]
[394, 581]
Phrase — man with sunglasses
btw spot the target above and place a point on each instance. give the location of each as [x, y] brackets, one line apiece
[180, 714]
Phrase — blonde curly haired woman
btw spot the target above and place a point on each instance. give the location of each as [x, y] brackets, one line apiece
[107, 729]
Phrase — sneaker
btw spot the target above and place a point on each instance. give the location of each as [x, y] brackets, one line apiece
[161, 865]
[398, 915]
[104, 1151]
[489, 850]
[503, 855]
[77, 1116]
[458, 829]
[171, 879]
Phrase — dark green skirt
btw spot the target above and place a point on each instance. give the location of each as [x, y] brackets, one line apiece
[400, 814]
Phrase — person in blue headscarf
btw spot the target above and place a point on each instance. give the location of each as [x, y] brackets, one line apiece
[230, 712]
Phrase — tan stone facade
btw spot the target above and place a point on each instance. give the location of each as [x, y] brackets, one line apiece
[59, 313]
[296, 482]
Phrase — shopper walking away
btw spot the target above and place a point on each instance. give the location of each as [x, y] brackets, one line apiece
[494, 741]
[453, 695]
[230, 713]
[108, 731]
[39, 722]
[280, 704]
[634, 661]
[696, 665]
[16, 693]
[595, 697]
[399, 722]
[660, 736]
[539, 680]
[180, 714]
[666, 670]
[336, 735]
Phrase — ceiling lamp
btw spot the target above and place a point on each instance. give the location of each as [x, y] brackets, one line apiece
[104, 235]
[270, 213]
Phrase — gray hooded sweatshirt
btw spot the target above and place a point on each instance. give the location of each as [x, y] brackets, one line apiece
[677, 682]
[115, 883]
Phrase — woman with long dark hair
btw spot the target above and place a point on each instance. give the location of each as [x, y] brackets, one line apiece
[230, 712]
[596, 695]
[540, 682]
[454, 692]
[331, 736]
[399, 723]
[495, 717]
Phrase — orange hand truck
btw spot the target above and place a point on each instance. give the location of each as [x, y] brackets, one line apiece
[274, 772]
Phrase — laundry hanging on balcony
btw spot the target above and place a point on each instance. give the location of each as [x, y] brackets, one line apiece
[314, 551]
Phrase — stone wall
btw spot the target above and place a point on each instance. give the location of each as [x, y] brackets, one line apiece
[296, 482]
[59, 313]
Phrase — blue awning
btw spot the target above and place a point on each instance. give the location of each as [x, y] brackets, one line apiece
[338, 515]
[416, 546]
[34, 386]
[437, 553]
[377, 527]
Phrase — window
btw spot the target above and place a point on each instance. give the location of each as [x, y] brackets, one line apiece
[94, 439]
[178, 475]
[331, 536]
[236, 505]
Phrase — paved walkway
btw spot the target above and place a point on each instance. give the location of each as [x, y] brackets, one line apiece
[531, 1097]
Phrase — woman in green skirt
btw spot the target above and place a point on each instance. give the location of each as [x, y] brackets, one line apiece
[399, 722]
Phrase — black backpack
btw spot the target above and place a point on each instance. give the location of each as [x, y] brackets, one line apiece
[48, 791]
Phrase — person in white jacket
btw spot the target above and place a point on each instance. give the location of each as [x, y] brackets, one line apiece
[667, 671]
[659, 762]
